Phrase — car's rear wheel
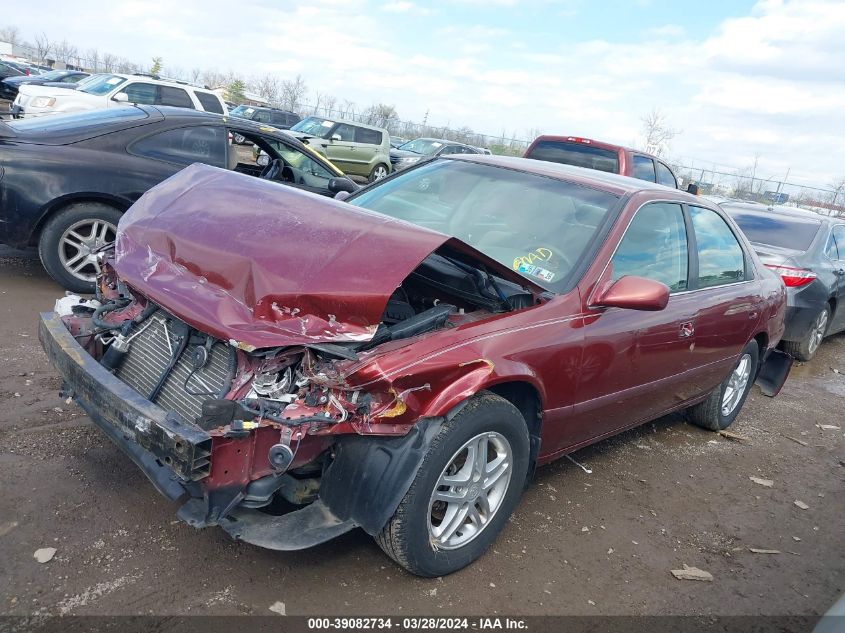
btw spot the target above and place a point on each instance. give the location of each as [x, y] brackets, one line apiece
[466, 488]
[806, 348]
[720, 408]
[69, 240]
[379, 172]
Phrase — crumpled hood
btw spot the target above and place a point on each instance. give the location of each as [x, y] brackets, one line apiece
[264, 264]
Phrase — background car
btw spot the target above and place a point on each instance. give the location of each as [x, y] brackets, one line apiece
[54, 79]
[68, 179]
[7, 70]
[114, 90]
[616, 159]
[396, 141]
[358, 149]
[414, 151]
[280, 119]
[807, 250]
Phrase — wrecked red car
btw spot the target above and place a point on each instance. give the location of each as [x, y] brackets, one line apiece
[402, 361]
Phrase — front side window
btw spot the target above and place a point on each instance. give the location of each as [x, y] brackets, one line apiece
[345, 132]
[538, 226]
[262, 116]
[142, 93]
[306, 170]
[643, 168]
[199, 144]
[720, 257]
[655, 247]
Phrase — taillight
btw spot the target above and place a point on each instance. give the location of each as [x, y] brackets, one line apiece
[793, 277]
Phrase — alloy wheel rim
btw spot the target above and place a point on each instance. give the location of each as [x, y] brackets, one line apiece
[380, 173]
[737, 382]
[78, 246]
[818, 332]
[469, 491]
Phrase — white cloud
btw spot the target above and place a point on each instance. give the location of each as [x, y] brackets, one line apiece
[403, 6]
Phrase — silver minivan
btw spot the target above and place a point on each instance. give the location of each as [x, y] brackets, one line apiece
[357, 149]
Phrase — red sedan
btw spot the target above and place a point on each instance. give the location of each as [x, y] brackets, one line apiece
[402, 360]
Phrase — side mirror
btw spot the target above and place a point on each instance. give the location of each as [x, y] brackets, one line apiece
[336, 185]
[692, 188]
[121, 97]
[336, 137]
[634, 293]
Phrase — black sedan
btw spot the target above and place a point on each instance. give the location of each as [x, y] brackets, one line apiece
[65, 180]
[807, 250]
[54, 78]
[412, 152]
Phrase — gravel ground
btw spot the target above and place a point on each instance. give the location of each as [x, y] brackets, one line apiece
[661, 496]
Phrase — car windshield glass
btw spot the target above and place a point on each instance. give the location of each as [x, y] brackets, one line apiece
[242, 111]
[777, 230]
[538, 226]
[101, 85]
[78, 122]
[577, 154]
[421, 146]
[315, 126]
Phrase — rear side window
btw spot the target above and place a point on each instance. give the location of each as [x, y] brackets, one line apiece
[643, 168]
[720, 257]
[209, 102]
[576, 154]
[665, 177]
[262, 116]
[175, 97]
[655, 246]
[371, 137]
[187, 145]
[292, 119]
[777, 230]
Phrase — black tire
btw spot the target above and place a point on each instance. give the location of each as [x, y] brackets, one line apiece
[708, 414]
[50, 246]
[806, 348]
[406, 537]
[379, 171]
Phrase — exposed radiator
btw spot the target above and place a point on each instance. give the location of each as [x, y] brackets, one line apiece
[152, 346]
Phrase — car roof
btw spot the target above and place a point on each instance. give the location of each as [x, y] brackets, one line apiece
[347, 122]
[162, 81]
[259, 107]
[606, 181]
[756, 207]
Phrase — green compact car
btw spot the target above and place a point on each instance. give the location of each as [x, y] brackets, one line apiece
[356, 148]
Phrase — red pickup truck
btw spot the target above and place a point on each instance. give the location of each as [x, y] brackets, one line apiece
[585, 152]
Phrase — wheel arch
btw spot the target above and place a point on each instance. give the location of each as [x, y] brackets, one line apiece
[527, 399]
[54, 206]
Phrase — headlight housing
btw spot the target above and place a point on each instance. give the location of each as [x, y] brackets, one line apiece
[43, 102]
[408, 160]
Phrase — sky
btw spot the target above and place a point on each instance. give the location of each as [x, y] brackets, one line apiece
[740, 80]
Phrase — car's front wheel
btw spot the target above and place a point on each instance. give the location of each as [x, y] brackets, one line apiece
[69, 240]
[718, 411]
[466, 488]
[806, 348]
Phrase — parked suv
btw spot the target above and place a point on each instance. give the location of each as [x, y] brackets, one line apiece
[356, 148]
[276, 117]
[114, 90]
[585, 152]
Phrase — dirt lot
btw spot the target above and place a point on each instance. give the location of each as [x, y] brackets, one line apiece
[658, 497]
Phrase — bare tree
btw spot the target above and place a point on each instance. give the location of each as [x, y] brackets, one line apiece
[195, 75]
[292, 93]
[10, 34]
[65, 52]
[268, 87]
[43, 46]
[93, 58]
[109, 62]
[214, 78]
[125, 66]
[381, 114]
[837, 200]
[656, 132]
[329, 102]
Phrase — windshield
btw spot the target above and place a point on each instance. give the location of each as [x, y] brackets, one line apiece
[538, 226]
[315, 126]
[242, 111]
[100, 84]
[782, 231]
[424, 146]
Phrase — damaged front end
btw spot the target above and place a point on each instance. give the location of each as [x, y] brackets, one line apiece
[283, 446]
